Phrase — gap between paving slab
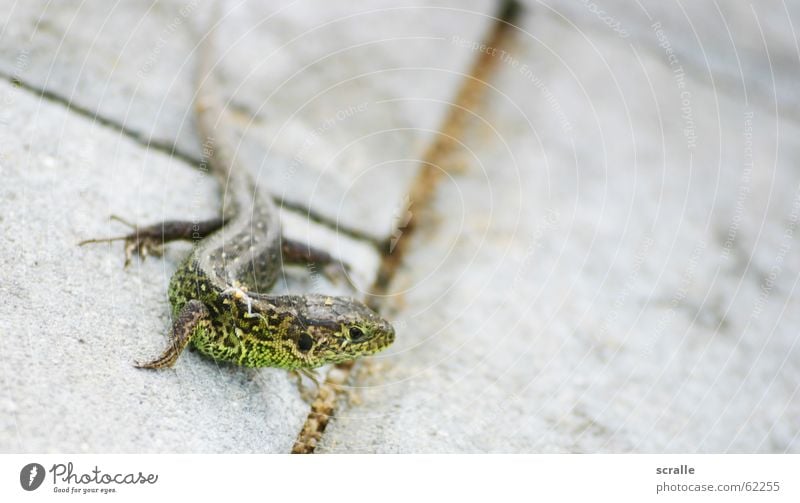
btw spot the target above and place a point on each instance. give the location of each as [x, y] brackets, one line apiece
[76, 316]
[174, 151]
[434, 164]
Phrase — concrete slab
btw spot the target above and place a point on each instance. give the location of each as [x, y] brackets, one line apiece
[612, 273]
[332, 99]
[74, 320]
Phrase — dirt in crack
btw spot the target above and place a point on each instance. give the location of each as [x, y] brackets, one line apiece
[437, 160]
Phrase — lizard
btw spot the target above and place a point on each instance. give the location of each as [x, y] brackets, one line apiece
[220, 293]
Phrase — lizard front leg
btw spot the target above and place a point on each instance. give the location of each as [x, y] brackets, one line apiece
[149, 239]
[193, 314]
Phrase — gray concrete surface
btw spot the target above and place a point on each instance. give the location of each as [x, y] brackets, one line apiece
[609, 277]
[330, 100]
[72, 319]
[614, 270]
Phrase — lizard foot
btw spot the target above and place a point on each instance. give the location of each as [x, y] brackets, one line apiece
[307, 393]
[143, 241]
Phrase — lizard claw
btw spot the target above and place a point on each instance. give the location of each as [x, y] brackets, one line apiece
[307, 394]
[142, 241]
[141, 244]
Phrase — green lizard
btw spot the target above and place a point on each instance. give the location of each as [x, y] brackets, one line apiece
[218, 294]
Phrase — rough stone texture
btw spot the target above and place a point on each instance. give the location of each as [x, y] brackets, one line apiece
[608, 273]
[723, 41]
[600, 280]
[331, 99]
[71, 319]
[74, 320]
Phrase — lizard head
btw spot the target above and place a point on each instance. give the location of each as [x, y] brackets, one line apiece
[338, 329]
[316, 330]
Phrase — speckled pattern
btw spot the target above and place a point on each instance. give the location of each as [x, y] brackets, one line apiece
[287, 331]
[226, 272]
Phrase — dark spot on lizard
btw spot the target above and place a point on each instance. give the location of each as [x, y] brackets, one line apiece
[304, 342]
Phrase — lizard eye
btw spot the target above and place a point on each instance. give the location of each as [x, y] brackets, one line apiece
[356, 334]
[305, 342]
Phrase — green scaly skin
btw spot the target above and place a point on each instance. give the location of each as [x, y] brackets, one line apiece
[218, 294]
[256, 330]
